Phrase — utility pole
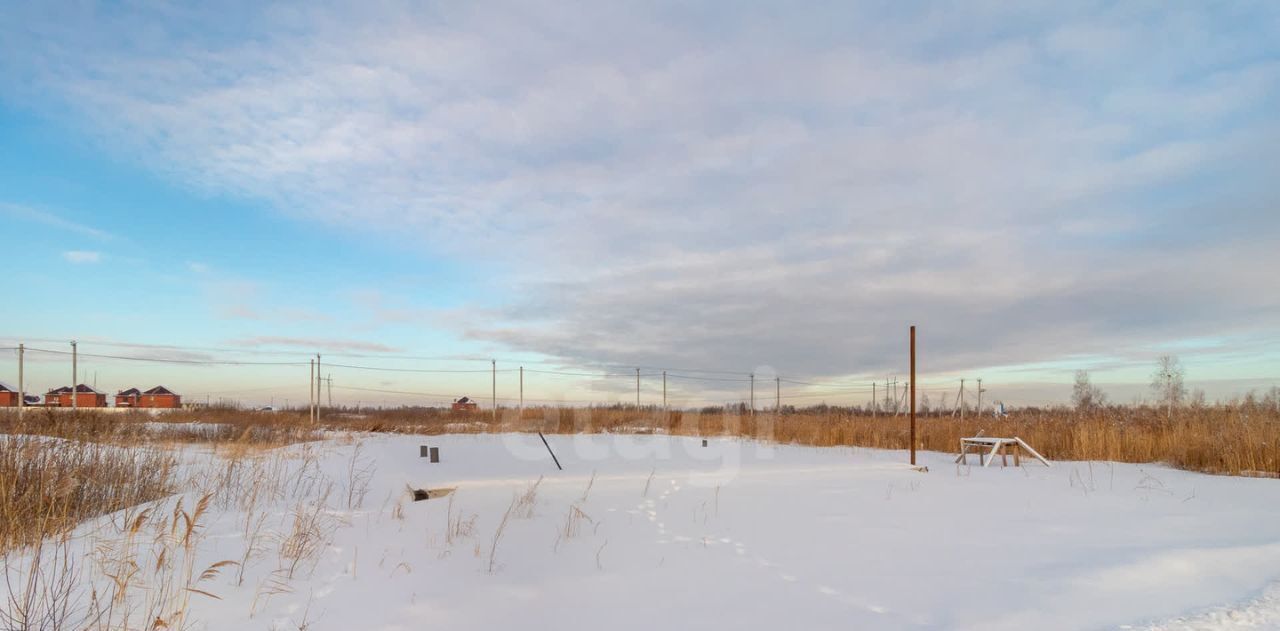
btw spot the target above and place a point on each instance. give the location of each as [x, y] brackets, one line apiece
[962, 399]
[637, 388]
[777, 407]
[522, 392]
[980, 391]
[753, 394]
[664, 390]
[874, 403]
[22, 385]
[912, 385]
[895, 397]
[330, 384]
[493, 365]
[311, 394]
[317, 388]
[74, 388]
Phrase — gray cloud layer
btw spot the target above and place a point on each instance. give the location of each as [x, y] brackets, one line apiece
[734, 185]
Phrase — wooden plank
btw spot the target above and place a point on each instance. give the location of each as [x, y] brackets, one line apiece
[1032, 451]
[992, 455]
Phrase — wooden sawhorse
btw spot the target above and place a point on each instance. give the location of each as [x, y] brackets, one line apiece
[988, 446]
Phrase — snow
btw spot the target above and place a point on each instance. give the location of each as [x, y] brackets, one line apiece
[739, 534]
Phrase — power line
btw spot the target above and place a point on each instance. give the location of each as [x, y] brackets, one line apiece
[163, 360]
[679, 376]
[415, 370]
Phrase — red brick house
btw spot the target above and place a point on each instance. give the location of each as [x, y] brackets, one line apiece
[465, 404]
[159, 397]
[86, 397]
[8, 396]
[128, 398]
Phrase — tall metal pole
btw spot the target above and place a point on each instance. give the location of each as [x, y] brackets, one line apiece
[753, 394]
[74, 372]
[962, 399]
[493, 395]
[22, 386]
[913, 394]
[979, 397]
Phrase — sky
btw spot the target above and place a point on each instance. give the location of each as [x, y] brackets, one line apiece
[591, 187]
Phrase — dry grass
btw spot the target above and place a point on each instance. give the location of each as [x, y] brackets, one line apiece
[49, 485]
[1229, 439]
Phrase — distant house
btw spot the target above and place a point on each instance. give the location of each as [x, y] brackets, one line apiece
[128, 398]
[159, 397]
[86, 397]
[8, 396]
[465, 404]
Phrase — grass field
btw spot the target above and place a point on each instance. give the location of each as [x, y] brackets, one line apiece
[58, 468]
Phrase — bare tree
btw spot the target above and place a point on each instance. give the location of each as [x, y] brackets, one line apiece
[1084, 395]
[1167, 383]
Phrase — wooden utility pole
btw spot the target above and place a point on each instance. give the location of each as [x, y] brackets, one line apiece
[777, 406]
[317, 388]
[311, 392]
[913, 394]
[493, 395]
[22, 385]
[874, 403]
[74, 389]
[753, 394]
[980, 391]
[522, 392]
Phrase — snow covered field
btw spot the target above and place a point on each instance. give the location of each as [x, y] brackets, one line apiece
[645, 532]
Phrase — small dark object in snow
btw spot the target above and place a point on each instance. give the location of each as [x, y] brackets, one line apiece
[424, 451]
[704, 442]
[430, 494]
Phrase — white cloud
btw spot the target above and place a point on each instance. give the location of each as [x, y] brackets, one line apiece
[27, 213]
[731, 185]
[323, 344]
[82, 256]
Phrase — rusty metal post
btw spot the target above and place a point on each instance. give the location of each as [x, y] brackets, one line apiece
[913, 394]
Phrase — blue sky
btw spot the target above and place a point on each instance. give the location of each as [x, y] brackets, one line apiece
[731, 186]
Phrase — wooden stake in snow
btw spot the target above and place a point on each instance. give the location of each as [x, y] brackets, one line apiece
[553, 454]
